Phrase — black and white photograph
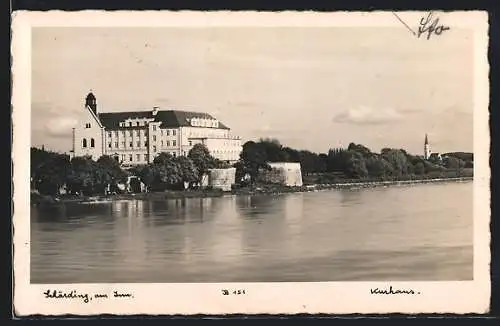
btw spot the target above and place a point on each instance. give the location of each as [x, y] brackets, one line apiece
[247, 151]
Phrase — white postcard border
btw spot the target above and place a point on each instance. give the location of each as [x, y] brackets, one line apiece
[259, 298]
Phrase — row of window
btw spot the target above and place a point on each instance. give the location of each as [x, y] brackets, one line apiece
[168, 132]
[131, 144]
[130, 123]
[138, 157]
[84, 143]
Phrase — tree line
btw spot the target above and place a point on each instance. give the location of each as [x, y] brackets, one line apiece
[50, 171]
[355, 162]
[81, 175]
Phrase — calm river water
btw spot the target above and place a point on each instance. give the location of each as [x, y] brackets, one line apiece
[420, 232]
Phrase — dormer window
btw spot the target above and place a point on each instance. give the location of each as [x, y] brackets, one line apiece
[130, 124]
[138, 124]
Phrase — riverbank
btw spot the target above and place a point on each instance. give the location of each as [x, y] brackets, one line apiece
[265, 189]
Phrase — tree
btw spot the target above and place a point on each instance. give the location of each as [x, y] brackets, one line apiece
[378, 167]
[147, 174]
[452, 162]
[187, 169]
[110, 171]
[50, 173]
[397, 159]
[419, 168]
[82, 178]
[253, 157]
[335, 160]
[202, 160]
[273, 150]
[355, 165]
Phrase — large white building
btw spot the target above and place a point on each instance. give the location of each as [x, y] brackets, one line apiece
[136, 137]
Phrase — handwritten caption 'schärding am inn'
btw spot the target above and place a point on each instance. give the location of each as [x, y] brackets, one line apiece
[86, 297]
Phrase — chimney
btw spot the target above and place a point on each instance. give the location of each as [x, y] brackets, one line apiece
[155, 110]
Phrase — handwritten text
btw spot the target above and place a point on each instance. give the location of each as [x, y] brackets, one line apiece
[430, 25]
[84, 297]
[390, 291]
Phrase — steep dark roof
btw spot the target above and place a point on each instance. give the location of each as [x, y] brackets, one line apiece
[168, 118]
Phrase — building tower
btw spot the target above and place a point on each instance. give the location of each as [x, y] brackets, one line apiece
[427, 148]
[91, 102]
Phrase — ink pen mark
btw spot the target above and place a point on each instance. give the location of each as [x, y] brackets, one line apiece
[428, 25]
[433, 28]
[402, 21]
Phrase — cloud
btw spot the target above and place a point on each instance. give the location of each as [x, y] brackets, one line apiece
[368, 115]
[60, 127]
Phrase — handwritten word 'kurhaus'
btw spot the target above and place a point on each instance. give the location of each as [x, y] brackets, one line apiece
[73, 294]
[392, 291]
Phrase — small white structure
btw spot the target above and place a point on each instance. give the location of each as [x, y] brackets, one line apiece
[290, 172]
[222, 178]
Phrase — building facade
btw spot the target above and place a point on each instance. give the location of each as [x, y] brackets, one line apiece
[137, 137]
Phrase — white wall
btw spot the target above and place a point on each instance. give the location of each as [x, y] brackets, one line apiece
[222, 178]
[291, 171]
[95, 132]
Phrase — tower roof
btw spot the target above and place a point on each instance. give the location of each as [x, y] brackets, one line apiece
[90, 95]
[426, 140]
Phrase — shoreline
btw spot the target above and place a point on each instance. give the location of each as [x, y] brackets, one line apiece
[269, 189]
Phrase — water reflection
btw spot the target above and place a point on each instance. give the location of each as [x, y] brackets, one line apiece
[412, 233]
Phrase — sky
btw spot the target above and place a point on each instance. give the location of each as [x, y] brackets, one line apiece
[311, 88]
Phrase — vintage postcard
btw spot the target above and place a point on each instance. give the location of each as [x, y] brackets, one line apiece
[250, 162]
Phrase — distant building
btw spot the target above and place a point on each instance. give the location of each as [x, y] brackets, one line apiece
[427, 148]
[136, 137]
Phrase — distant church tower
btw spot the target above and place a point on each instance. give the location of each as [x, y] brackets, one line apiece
[91, 102]
[427, 148]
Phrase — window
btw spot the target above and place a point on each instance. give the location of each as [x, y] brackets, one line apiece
[137, 133]
[116, 144]
[84, 143]
[146, 157]
[138, 124]
[130, 157]
[161, 132]
[116, 133]
[109, 145]
[130, 133]
[154, 148]
[138, 144]
[87, 125]
[168, 143]
[190, 143]
[168, 132]
[174, 143]
[92, 142]
[123, 157]
[138, 157]
[130, 125]
[154, 137]
[131, 145]
[146, 144]
[173, 133]
[123, 144]
[109, 134]
[162, 143]
[174, 154]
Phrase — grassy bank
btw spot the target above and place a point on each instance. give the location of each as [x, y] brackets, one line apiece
[256, 189]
